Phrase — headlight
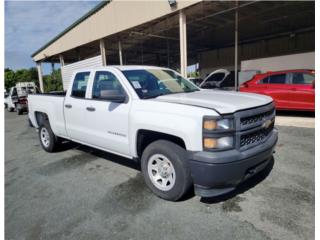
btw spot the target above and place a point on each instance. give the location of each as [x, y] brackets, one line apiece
[218, 133]
[218, 143]
[213, 124]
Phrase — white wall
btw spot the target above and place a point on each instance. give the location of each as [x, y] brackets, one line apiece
[67, 70]
[285, 62]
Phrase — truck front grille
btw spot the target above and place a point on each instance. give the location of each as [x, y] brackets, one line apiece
[255, 137]
[254, 126]
[246, 121]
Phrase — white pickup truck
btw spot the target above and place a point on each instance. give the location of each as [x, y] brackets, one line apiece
[181, 135]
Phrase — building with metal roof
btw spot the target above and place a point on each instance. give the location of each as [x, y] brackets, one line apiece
[180, 33]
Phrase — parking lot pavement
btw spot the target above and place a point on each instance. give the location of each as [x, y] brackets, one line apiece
[295, 119]
[82, 193]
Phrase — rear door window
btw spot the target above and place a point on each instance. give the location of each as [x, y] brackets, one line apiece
[302, 78]
[277, 79]
[80, 84]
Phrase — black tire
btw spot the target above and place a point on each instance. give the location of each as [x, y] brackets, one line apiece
[5, 106]
[10, 109]
[19, 111]
[178, 157]
[53, 140]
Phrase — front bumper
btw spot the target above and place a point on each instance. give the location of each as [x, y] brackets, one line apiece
[216, 173]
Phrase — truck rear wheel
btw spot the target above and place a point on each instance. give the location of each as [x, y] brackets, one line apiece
[48, 140]
[165, 170]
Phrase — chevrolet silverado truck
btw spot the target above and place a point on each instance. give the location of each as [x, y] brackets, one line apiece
[181, 135]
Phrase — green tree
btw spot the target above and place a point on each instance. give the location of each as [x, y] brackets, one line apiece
[52, 82]
[194, 74]
[23, 75]
[9, 78]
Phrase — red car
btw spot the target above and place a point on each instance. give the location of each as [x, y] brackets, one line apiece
[291, 89]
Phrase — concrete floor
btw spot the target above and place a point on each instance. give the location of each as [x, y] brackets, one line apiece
[87, 194]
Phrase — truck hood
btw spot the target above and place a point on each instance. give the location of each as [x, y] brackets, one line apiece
[223, 102]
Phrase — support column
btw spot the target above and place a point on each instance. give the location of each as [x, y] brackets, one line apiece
[120, 52]
[61, 60]
[39, 67]
[168, 54]
[236, 85]
[103, 52]
[183, 43]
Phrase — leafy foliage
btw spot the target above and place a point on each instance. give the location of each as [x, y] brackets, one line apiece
[194, 74]
[52, 82]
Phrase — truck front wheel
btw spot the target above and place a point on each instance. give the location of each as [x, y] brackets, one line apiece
[165, 170]
[48, 140]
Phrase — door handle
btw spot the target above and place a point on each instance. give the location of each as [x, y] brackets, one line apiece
[68, 106]
[91, 109]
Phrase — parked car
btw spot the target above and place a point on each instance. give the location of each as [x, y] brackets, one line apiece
[17, 98]
[6, 99]
[180, 134]
[221, 78]
[290, 89]
[13, 99]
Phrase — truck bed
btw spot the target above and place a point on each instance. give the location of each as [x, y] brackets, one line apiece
[52, 105]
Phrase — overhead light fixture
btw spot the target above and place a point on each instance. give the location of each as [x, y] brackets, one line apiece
[172, 3]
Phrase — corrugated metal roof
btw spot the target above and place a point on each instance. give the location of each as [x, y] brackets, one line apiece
[84, 17]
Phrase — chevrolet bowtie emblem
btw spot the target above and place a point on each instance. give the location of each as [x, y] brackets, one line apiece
[266, 124]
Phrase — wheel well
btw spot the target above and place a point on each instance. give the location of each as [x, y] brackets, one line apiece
[145, 137]
[41, 118]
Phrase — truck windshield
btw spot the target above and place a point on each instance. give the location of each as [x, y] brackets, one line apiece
[151, 83]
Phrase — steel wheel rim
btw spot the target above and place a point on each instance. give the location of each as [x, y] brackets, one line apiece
[45, 137]
[161, 172]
